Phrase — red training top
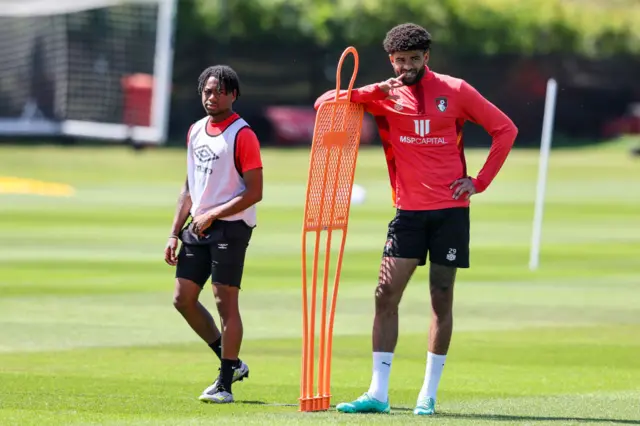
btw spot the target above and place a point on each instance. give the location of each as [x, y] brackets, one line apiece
[247, 149]
[421, 132]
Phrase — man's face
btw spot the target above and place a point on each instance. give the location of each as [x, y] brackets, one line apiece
[216, 101]
[410, 63]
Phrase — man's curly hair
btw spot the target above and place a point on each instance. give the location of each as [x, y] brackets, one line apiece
[226, 76]
[405, 37]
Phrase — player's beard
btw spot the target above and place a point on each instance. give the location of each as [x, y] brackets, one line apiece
[416, 77]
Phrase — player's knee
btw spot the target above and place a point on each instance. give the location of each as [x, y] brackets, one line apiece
[386, 299]
[183, 303]
[227, 302]
[443, 315]
[185, 296]
[441, 305]
[228, 313]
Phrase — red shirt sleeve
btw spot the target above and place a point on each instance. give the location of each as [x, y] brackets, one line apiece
[479, 110]
[368, 95]
[247, 151]
[371, 96]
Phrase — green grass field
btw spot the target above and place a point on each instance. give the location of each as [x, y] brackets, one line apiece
[88, 333]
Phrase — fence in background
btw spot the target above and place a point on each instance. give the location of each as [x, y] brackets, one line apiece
[594, 95]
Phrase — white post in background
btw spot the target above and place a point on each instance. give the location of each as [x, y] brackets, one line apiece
[163, 68]
[545, 150]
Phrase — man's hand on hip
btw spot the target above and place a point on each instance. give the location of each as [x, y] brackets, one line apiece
[464, 186]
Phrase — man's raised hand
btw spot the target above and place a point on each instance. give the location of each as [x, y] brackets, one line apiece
[391, 83]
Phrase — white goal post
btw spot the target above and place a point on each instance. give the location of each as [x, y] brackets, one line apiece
[543, 171]
[98, 69]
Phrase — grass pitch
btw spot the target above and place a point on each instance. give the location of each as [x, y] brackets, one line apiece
[88, 334]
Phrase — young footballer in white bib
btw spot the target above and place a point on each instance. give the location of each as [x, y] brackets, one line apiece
[223, 186]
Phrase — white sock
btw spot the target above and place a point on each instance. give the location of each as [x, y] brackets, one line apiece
[432, 374]
[379, 388]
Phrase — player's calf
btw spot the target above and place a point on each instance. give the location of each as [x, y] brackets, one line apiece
[185, 301]
[230, 319]
[393, 278]
[394, 275]
[441, 284]
[231, 369]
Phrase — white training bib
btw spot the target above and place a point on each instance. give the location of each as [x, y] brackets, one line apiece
[212, 172]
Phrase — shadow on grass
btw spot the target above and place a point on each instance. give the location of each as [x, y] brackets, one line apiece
[488, 417]
[516, 418]
[267, 404]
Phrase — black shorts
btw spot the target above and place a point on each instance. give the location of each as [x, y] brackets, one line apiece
[442, 234]
[219, 254]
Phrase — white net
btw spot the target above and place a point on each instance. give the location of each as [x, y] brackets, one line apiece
[91, 68]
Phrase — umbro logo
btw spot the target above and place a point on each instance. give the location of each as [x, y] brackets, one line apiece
[205, 154]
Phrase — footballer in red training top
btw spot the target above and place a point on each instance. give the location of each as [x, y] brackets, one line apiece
[420, 114]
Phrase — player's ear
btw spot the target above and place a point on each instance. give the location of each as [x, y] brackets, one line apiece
[426, 57]
[391, 59]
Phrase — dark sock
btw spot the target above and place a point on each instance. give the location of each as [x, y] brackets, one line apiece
[226, 373]
[217, 347]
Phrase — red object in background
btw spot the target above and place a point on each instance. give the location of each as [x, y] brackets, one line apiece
[138, 95]
[294, 125]
[628, 124]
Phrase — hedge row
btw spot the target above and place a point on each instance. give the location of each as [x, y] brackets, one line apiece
[588, 27]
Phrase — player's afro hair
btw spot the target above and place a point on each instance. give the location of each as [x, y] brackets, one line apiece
[226, 77]
[405, 37]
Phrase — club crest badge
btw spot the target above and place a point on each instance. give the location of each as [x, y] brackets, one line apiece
[441, 104]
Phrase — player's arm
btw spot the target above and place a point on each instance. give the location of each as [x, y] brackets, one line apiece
[370, 96]
[182, 209]
[184, 202]
[249, 164]
[478, 109]
[366, 95]
[179, 218]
